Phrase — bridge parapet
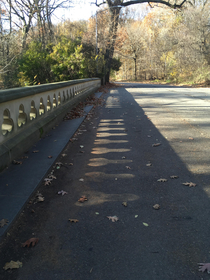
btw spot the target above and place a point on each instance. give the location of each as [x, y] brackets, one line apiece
[26, 113]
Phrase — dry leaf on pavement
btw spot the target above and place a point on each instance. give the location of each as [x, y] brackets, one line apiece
[52, 177]
[156, 144]
[16, 162]
[113, 218]
[83, 199]
[128, 167]
[156, 206]
[125, 204]
[62, 192]
[148, 164]
[145, 224]
[162, 180]
[35, 151]
[32, 241]
[50, 156]
[73, 220]
[81, 180]
[174, 176]
[40, 197]
[3, 222]
[12, 264]
[190, 184]
[47, 181]
[204, 266]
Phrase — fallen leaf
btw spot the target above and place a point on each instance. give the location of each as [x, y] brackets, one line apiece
[62, 192]
[136, 216]
[156, 206]
[64, 155]
[125, 204]
[32, 241]
[96, 213]
[113, 218]
[156, 144]
[128, 167]
[24, 157]
[83, 199]
[174, 177]
[12, 264]
[123, 157]
[50, 156]
[115, 179]
[81, 146]
[40, 197]
[204, 266]
[162, 180]
[71, 163]
[82, 152]
[3, 222]
[47, 182]
[145, 224]
[149, 136]
[52, 177]
[59, 163]
[16, 162]
[148, 164]
[191, 138]
[36, 151]
[190, 184]
[73, 220]
[81, 180]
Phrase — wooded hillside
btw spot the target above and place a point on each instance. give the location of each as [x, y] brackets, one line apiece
[154, 42]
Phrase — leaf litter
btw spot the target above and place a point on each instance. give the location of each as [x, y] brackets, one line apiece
[156, 206]
[125, 204]
[113, 218]
[3, 222]
[190, 184]
[12, 265]
[156, 144]
[82, 199]
[73, 220]
[40, 197]
[62, 192]
[174, 177]
[162, 180]
[204, 266]
[32, 241]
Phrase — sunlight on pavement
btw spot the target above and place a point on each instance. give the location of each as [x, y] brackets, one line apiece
[99, 151]
[105, 161]
[107, 141]
[98, 176]
[100, 197]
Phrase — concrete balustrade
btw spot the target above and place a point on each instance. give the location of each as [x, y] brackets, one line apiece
[27, 113]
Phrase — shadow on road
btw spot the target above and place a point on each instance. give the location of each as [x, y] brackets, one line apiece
[120, 164]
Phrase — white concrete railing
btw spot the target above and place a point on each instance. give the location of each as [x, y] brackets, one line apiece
[26, 113]
[31, 104]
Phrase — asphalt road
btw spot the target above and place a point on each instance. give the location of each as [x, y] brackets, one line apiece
[114, 161]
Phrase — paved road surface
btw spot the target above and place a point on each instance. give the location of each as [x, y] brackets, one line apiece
[115, 157]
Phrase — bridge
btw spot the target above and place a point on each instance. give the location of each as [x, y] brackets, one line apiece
[28, 115]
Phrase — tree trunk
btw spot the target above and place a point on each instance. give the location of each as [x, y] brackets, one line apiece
[115, 12]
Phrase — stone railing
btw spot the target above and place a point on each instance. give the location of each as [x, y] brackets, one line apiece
[24, 111]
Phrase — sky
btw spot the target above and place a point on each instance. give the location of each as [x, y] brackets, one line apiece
[84, 9]
[77, 12]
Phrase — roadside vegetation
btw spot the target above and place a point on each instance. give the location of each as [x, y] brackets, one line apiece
[156, 43]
